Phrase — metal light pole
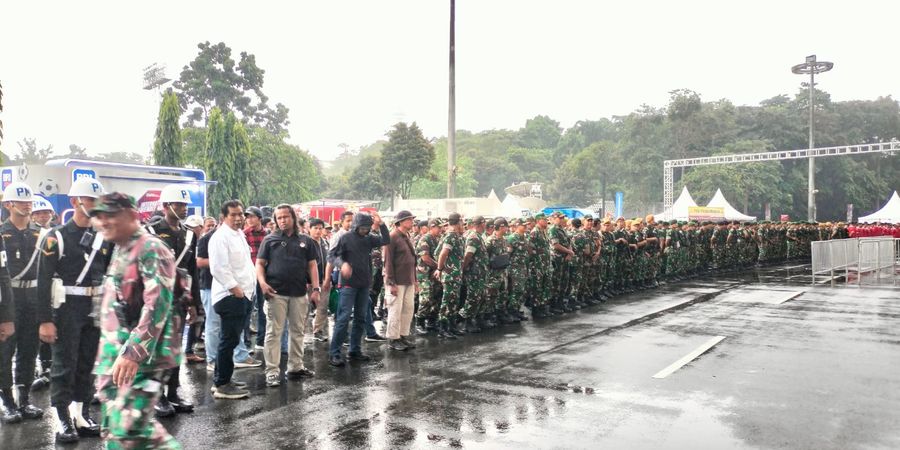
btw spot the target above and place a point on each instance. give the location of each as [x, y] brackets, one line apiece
[451, 120]
[811, 67]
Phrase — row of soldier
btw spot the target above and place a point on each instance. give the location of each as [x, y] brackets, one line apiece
[478, 274]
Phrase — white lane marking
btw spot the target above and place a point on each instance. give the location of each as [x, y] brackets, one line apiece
[689, 357]
[791, 296]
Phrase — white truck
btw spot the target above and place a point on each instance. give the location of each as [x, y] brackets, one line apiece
[53, 179]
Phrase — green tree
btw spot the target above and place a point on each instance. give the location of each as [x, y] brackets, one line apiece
[282, 173]
[30, 153]
[76, 152]
[215, 80]
[407, 157]
[219, 161]
[540, 132]
[168, 143]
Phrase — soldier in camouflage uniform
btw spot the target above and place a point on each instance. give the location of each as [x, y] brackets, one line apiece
[475, 271]
[451, 250]
[608, 257]
[429, 288]
[140, 340]
[582, 247]
[497, 277]
[539, 268]
[517, 273]
[561, 246]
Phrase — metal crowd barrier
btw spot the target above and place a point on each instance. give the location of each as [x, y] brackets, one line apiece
[876, 256]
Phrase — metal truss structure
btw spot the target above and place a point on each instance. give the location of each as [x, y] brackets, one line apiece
[669, 165]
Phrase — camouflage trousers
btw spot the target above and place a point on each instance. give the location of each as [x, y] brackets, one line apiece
[496, 292]
[476, 296]
[451, 288]
[562, 278]
[539, 284]
[516, 287]
[429, 297]
[128, 420]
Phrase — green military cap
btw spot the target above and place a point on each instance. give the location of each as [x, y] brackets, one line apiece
[478, 220]
[500, 222]
[454, 219]
[588, 217]
[673, 222]
[540, 216]
[576, 222]
[692, 223]
[112, 203]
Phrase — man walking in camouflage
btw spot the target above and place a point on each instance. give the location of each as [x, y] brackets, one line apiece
[450, 270]
[139, 342]
[517, 273]
[475, 272]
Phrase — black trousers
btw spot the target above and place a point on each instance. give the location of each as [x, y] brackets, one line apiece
[74, 352]
[233, 312]
[23, 344]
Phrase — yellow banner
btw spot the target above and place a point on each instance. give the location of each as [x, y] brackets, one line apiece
[703, 213]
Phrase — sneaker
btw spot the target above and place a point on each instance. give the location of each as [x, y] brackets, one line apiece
[273, 380]
[211, 366]
[239, 384]
[336, 361]
[320, 337]
[362, 357]
[192, 358]
[375, 338]
[249, 362]
[397, 344]
[408, 343]
[230, 391]
[302, 373]
[260, 347]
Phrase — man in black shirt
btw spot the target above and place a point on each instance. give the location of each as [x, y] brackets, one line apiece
[316, 232]
[286, 260]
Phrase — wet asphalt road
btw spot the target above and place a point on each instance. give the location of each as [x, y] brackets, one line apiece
[800, 367]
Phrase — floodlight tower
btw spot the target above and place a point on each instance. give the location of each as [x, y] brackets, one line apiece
[812, 67]
[155, 77]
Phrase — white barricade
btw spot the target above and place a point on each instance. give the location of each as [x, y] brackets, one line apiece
[877, 256]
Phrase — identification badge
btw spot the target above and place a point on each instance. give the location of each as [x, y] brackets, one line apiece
[18, 254]
[303, 245]
[3, 258]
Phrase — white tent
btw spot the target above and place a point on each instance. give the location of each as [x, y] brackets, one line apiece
[890, 213]
[679, 209]
[718, 201]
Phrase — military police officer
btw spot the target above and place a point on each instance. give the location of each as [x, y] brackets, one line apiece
[71, 267]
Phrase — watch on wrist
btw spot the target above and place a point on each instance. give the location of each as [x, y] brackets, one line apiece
[317, 289]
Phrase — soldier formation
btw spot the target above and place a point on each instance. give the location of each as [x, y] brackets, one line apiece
[477, 274]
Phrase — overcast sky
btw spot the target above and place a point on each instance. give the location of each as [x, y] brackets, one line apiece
[348, 70]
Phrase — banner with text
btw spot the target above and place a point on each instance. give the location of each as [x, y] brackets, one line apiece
[704, 213]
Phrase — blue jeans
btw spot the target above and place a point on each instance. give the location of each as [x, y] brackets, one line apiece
[260, 317]
[350, 300]
[370, 322]
[213, 326]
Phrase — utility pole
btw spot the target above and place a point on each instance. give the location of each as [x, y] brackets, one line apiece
[451, 120]
[812, 67]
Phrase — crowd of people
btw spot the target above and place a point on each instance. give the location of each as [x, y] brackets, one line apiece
[106, 307]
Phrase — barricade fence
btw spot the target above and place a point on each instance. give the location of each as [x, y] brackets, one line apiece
[876, 257]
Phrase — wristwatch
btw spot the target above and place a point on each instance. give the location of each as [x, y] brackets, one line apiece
[317, 289]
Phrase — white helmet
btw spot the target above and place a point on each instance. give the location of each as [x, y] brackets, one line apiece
[17, 192]
[86, 187]
[175, 193]
[41, 204]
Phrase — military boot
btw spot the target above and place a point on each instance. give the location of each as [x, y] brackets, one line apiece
[444, 330]
[513, 315]
[42, 381]
[556, 307]
[456, 326]
[67, 432]
[163, 408]
[85, 425]
[537, 312]
[10, 413]
[180, 404]
[421, 327]
[472, 326]
[26, 409]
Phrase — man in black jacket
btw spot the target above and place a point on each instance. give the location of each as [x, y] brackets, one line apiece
[353, 255]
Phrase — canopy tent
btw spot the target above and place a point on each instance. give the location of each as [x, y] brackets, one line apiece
[679, 209]
[718, 201]
[890, 213]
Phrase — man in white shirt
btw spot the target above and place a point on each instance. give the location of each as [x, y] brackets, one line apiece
[234, 278]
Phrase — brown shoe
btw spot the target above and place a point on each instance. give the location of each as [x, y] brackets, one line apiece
[192, 358]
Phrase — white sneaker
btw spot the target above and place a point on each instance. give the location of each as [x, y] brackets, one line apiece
[249, 362]
[211, 367]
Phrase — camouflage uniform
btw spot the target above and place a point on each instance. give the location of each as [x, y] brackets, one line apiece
[451, 276]
[429, 291]
[517, 272]
[583, 246]
[539, 268]
[475, 276]
[607, 260]
[497, 298]
[561, 274]
[143, 269]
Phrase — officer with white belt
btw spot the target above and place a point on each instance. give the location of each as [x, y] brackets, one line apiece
[42, 215]
[71, 267]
